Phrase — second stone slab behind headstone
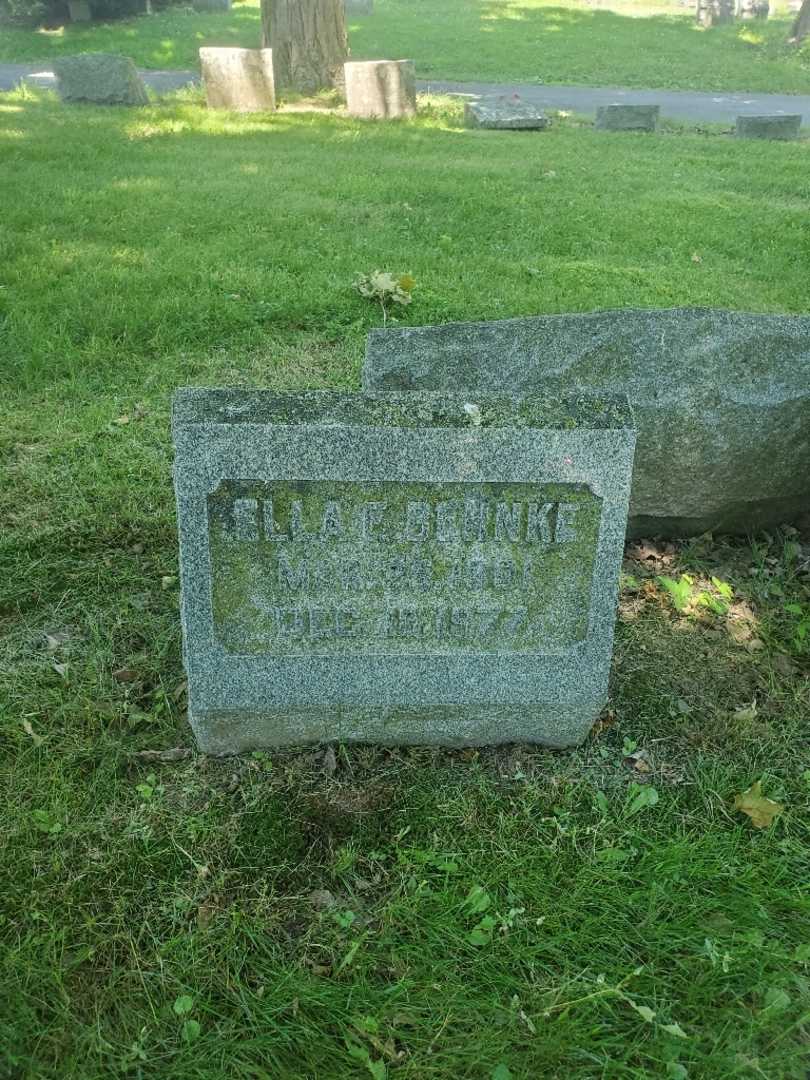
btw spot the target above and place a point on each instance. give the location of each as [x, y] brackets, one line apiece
[721, 399]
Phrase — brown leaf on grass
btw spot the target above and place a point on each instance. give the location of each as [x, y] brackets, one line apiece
[125, 674]
[205, 914]
[177, 753]
[746, 713]
[639, 760]
[784, 665]
[757, 806]
[322, 899]
[329, 760]
[55, 639]
[29, 731]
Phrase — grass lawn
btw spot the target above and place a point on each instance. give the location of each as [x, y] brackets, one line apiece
[416, 914]
[488, 40]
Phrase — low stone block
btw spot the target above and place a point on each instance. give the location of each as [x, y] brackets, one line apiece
[397, 568]
[721, 399]
[627, 117]
[359, 7]
[381, 89]
[240, 80]
[777, 126]
[503, 114]
[99, 79]
[212, 5]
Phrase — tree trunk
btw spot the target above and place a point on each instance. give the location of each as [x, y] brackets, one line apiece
[308, 39]
[801, 27]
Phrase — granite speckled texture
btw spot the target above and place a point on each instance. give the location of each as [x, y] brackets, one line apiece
[627, 117]
[99, 79]
[721, 399]
[778, 126]
[504, 114]
[398, 568]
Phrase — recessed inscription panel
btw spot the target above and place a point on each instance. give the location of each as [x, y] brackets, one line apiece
[327, 568]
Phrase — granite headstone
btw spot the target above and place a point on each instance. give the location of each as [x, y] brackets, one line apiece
[380, 89]
[398, 568]
[504, 114]
[781, 126]
[627, 117]
[238, 79]
[99, 79]
[721, 399]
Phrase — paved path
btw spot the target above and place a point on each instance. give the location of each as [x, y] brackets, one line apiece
[676, 104]
[41, 75]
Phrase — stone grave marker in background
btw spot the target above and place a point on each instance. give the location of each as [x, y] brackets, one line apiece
[359, 7]
[79, 11]
[505, 114]
[381, 89]
[398, 568]
[627, 117]
[721, 399]
[99, 79]
[238, 79]
[779, 126]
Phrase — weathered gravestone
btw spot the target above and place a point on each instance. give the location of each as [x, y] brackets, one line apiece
[79, 11]
[397, 568]
[627, 117]
[359, 7]
[721, 399]
[238, 79]
[782, 126]
[380, 89]
[504, 114]
[99, 79]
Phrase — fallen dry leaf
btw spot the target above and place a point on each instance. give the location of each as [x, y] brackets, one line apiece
[26, 726]
[177, 753]
[784, 665]
[746, 713]
[55, 639]
[125, 674]
[757, 806]
[639, 760]
[322, 899]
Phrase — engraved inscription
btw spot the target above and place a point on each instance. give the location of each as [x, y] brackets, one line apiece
[349, 567]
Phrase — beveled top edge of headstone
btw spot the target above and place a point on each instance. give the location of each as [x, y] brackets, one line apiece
[770, 116]
[88, 55]
[410, 409]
